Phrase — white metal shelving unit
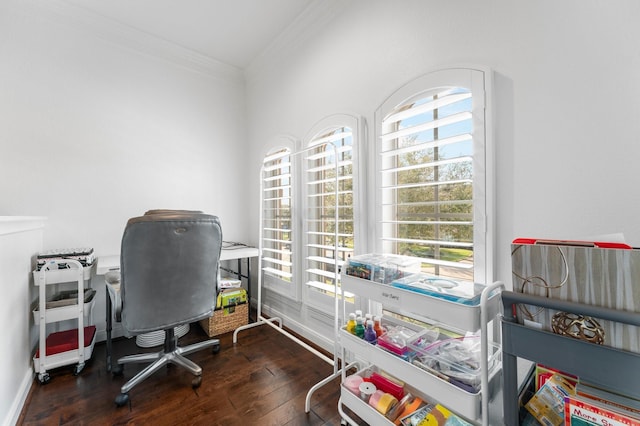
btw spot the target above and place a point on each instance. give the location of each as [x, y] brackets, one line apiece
[48, 275]
[474, 407]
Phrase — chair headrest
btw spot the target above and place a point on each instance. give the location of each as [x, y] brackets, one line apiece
[170, 211]
[162, 215]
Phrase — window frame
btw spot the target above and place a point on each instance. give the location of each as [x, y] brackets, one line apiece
[312, 297]
[479, 81]
[288, 289]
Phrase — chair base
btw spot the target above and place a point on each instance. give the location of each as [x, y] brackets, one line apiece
[171, 354]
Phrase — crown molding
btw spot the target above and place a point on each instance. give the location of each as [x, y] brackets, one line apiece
[129, 38]
[313, 19]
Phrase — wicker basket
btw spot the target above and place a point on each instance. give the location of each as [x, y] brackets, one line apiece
[224, 321]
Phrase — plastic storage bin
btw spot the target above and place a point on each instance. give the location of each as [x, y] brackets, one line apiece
[381, 268]
[454, 359]
[463, 292]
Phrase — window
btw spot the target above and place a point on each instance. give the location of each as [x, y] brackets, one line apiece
[307, 213]
[428, 192]
[432, 185]
[277, 226]
[329, 209]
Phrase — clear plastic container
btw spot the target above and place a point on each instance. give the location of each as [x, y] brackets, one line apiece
[381, 268]
[454, 359]
[463, 292]
[395, 340]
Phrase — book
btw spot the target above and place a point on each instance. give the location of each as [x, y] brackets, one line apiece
[619, 401]
[548, 403]
[544, 373]
[579, 411]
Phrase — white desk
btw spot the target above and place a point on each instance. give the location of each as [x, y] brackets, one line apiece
[112, 263]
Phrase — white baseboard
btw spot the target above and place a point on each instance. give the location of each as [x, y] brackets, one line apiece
[21, 396]
[117, 331]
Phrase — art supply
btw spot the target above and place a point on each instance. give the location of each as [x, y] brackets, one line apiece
[411, 408]
[370, 334]
[368, 318]
[419, 416]
[351, 323]
[367, 389]
[353, 383]
[359, 330]
[398, 408]
[387, 385]
[382, 401]
[377, 326]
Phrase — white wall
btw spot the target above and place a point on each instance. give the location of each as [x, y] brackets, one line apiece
[99, 124]
[95, 129]
[566, 97]
[20, 239]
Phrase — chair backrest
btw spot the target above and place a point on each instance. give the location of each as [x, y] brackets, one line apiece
[169, 263]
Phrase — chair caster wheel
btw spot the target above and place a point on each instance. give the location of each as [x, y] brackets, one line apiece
[196, 382]
[215, 349]
[117, 370]
[122, 399]
[43, 379]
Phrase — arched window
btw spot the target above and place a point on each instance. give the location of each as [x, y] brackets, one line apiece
[329, 204]
[433, 192]
[277, 222]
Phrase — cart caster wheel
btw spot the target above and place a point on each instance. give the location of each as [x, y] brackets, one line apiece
[196, 382]
[122, 399]
[215, 349]
[343, 422]
[117, 370]
[78, 369]
[44, 378]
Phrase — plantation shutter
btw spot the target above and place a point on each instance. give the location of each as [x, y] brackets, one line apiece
[277, 238]
[427, 178]
[329, 211]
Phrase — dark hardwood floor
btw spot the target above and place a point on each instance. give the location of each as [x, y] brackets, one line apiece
[261, 380]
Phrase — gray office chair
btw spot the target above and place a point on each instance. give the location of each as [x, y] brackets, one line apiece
[169, 263]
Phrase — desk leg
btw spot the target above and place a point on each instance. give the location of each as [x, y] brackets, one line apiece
[248, 284]
[249, 289]
[109, 327]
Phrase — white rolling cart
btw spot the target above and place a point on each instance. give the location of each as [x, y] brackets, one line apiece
[67, 347]
[472, 406]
